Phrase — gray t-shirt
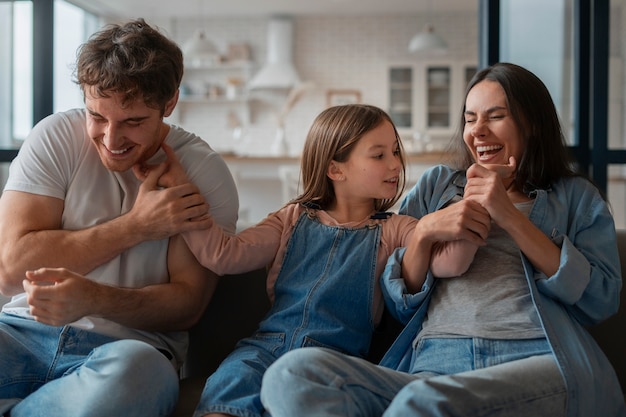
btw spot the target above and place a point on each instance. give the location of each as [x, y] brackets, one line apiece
[491, 300]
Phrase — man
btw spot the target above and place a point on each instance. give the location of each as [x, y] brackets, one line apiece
[103, 285]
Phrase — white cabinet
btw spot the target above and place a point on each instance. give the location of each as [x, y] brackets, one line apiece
[425, 98]
[218, 87]
[401, 88]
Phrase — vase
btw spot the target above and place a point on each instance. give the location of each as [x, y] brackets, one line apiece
[280, 147]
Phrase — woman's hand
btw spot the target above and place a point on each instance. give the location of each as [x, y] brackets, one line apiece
[506, 172]
[465, 219]
[486, 186]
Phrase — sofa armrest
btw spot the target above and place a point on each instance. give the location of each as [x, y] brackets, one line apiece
[610, 334]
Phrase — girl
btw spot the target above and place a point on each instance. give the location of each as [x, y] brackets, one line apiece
[325, 251]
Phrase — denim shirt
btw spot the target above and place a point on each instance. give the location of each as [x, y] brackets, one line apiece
[584, 291]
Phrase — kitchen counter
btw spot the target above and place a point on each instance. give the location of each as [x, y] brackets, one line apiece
[418, 158]
[266, 183]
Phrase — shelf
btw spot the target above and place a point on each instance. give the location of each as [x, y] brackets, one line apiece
[212, 100]
[227, 66]
[222, 85]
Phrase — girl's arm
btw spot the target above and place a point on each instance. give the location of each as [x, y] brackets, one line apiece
[251, 249]
[221, 252]
[463, 225]
[452, 259]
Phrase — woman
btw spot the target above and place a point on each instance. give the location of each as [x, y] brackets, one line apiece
[507, 337]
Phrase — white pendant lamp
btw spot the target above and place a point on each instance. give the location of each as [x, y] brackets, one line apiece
[200, 50]
[427, 41]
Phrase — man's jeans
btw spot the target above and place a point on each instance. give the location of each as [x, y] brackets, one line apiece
[63, 371]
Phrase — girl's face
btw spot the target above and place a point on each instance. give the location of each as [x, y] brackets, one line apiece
[373, 167]
[124, 133]
[490, 133]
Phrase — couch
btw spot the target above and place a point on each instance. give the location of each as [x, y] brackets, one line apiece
[240, 302]
[238, 305]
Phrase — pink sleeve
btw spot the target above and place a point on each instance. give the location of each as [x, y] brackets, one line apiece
[451, 259]
[251, 249]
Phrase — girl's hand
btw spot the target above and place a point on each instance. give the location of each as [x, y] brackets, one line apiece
[174, 174]
[464, 224]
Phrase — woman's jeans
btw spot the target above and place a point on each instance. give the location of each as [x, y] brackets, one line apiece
[68, 372]
[455, 377]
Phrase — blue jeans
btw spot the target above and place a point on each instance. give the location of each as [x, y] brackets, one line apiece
[65, 371]
[478, 378]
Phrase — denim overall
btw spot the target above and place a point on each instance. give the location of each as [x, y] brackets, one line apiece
[323, 297]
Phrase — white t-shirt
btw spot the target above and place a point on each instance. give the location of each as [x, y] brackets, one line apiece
[59, 160]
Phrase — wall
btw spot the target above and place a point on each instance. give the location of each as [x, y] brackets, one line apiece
[333, 52]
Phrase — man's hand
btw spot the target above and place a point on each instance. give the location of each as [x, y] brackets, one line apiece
[171, 171]
[58, 296]
[159, 213]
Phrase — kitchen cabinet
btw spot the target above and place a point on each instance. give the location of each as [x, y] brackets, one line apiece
[217, 87]
[401, 96]
[425, 98]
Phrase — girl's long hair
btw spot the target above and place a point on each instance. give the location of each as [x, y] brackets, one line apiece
[332, 136]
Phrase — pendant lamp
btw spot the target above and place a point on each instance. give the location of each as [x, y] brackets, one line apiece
[200, 50]
[427, 40]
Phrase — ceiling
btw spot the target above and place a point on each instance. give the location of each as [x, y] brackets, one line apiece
[210, 8]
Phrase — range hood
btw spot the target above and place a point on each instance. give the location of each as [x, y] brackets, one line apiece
[278, 71]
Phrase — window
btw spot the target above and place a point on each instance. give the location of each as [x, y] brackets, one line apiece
[16, 63]
[67, 19]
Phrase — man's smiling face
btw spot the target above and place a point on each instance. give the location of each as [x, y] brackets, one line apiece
[124, 133]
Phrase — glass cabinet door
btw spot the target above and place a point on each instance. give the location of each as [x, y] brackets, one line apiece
[470, 71]
[401, 96]
[438, 97]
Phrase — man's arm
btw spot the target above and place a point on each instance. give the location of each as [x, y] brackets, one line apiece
[31, 235]
[59, 296]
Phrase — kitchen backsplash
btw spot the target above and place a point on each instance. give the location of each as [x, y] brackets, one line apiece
[333, 52]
